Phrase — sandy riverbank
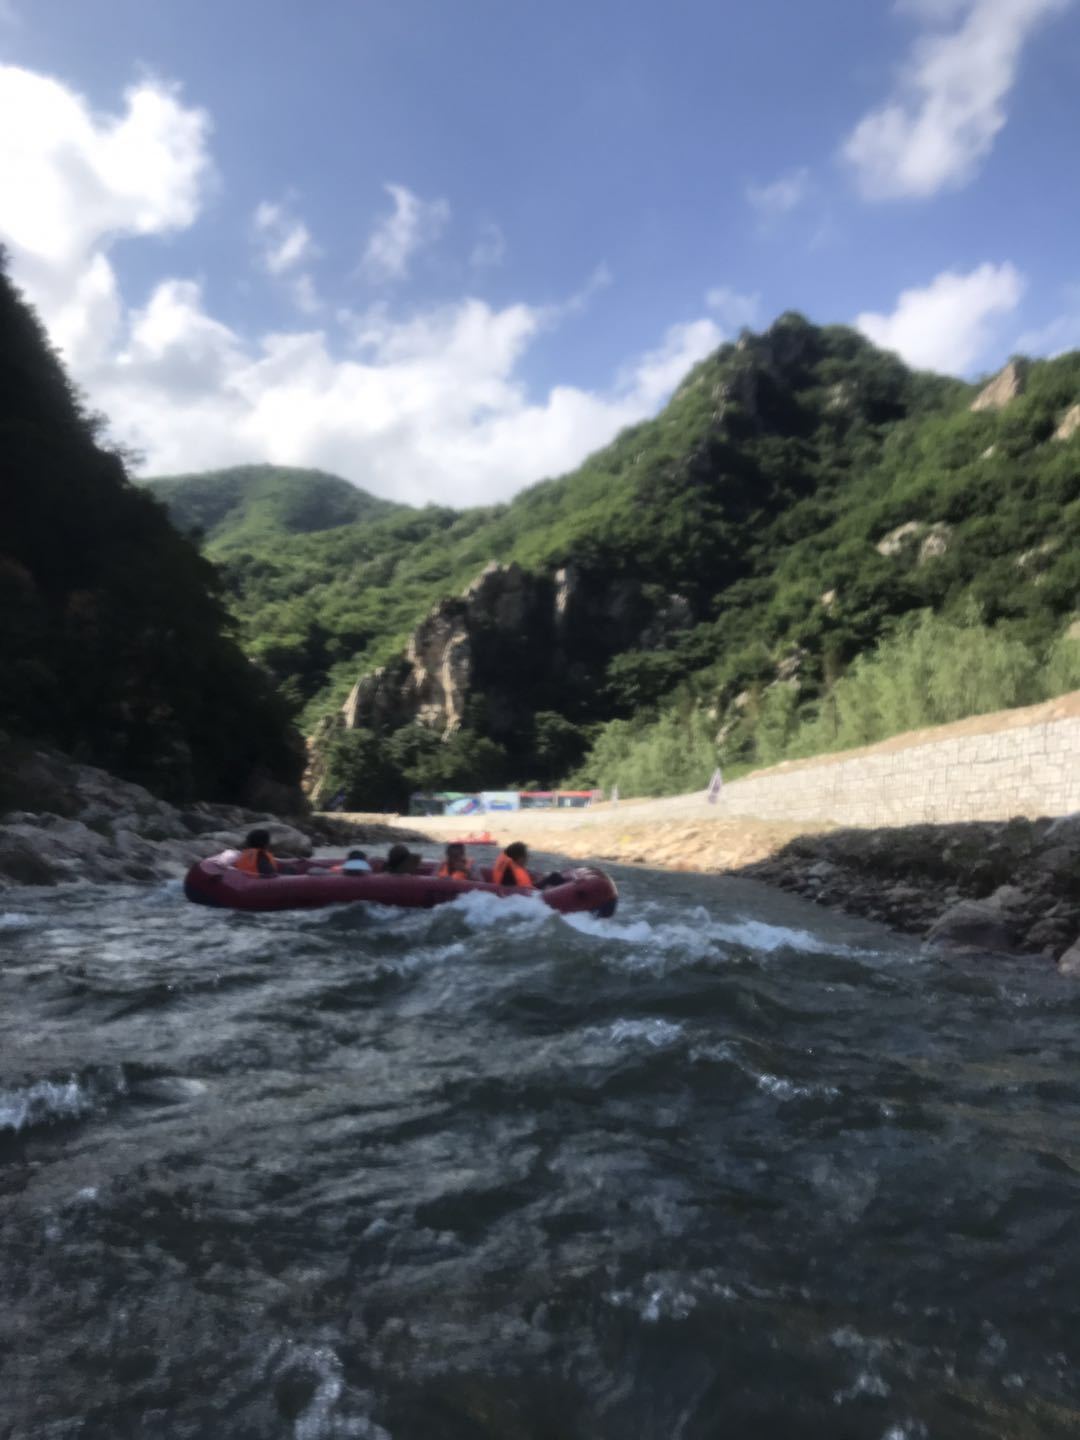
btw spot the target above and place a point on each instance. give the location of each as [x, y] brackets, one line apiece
[676, 833]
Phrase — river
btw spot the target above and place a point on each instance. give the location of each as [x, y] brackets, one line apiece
[724, 1166]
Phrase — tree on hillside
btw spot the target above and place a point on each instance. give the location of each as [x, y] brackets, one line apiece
[114, 642]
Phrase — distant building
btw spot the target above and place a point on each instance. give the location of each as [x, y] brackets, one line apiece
[454, 802]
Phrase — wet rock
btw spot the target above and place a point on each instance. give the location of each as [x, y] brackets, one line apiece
[23, 863]
[972, 925]
[1047, 935]
[1069, 963]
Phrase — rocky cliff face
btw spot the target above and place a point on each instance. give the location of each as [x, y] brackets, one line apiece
[512, 637]
[1004, 387]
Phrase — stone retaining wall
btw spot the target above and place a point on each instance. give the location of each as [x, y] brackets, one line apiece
[1022, 762]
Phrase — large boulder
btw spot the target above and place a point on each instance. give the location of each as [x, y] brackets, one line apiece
[1069, 963]
[973, 925]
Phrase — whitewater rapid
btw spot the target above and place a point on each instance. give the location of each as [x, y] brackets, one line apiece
[722, 1165]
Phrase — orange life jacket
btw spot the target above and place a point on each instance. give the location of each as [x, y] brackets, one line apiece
[509, 872]
[249, 861]
[463, 871]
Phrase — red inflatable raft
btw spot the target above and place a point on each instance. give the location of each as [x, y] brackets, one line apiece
[215, 882]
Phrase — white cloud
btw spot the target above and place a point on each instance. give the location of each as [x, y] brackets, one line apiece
[410, 226]
[734, 310]
[490, 248]
[948, 325]
[427, 406]
[781, 196]
[283, 240]
[949, 103]
[71, 182]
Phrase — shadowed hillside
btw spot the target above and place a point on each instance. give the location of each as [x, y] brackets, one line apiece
[114, 642]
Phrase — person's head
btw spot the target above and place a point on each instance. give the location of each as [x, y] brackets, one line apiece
[356, 855]
[257, 840]
[518, 852]
[455, 853]
[397, 857]
[412, 864]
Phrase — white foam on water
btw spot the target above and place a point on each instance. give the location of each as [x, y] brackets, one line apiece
[759, 935]
[866, 1385]
[481, 910]
[782, 1089]
[663, 1299]
[320, 1420]
[655, 1032]
[44, 1101]
[15, 920]
[697, 933]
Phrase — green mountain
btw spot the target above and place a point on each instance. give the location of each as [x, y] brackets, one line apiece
[798, 552]
[114, 642]
[249, 503]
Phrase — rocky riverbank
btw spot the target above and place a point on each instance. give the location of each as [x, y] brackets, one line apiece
[1008, 887]
[61, 822]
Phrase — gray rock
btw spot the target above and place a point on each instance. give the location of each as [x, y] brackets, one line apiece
[1009, 897]
[1069, 963]
[23, 863]
[1058, 860]
[972, 925]
[1047, 934]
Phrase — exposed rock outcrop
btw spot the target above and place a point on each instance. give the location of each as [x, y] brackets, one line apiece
[1004, 387]
[1070, 424]
[509, 632]
[932, 540]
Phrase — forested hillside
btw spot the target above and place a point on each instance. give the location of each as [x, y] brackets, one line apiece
[802, 500]
[228, 509]
[114, 643]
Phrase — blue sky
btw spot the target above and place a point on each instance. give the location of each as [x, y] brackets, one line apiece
[447, 249]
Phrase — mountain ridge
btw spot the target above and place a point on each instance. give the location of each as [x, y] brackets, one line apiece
[802, 497]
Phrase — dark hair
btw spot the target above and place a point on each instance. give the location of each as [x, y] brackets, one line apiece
[396, 855]
[257, 840]
[454, 846]
[356, 855]
[518, 851]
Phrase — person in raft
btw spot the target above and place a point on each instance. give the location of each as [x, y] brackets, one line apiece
[456, 864]
[510, 870]
[256, 857]
[356, 863]
[510, 867]
[401, 861]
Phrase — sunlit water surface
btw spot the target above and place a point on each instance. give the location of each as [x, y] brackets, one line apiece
[724, 1166]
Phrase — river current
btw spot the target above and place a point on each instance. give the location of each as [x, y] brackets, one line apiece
[723, 1166]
